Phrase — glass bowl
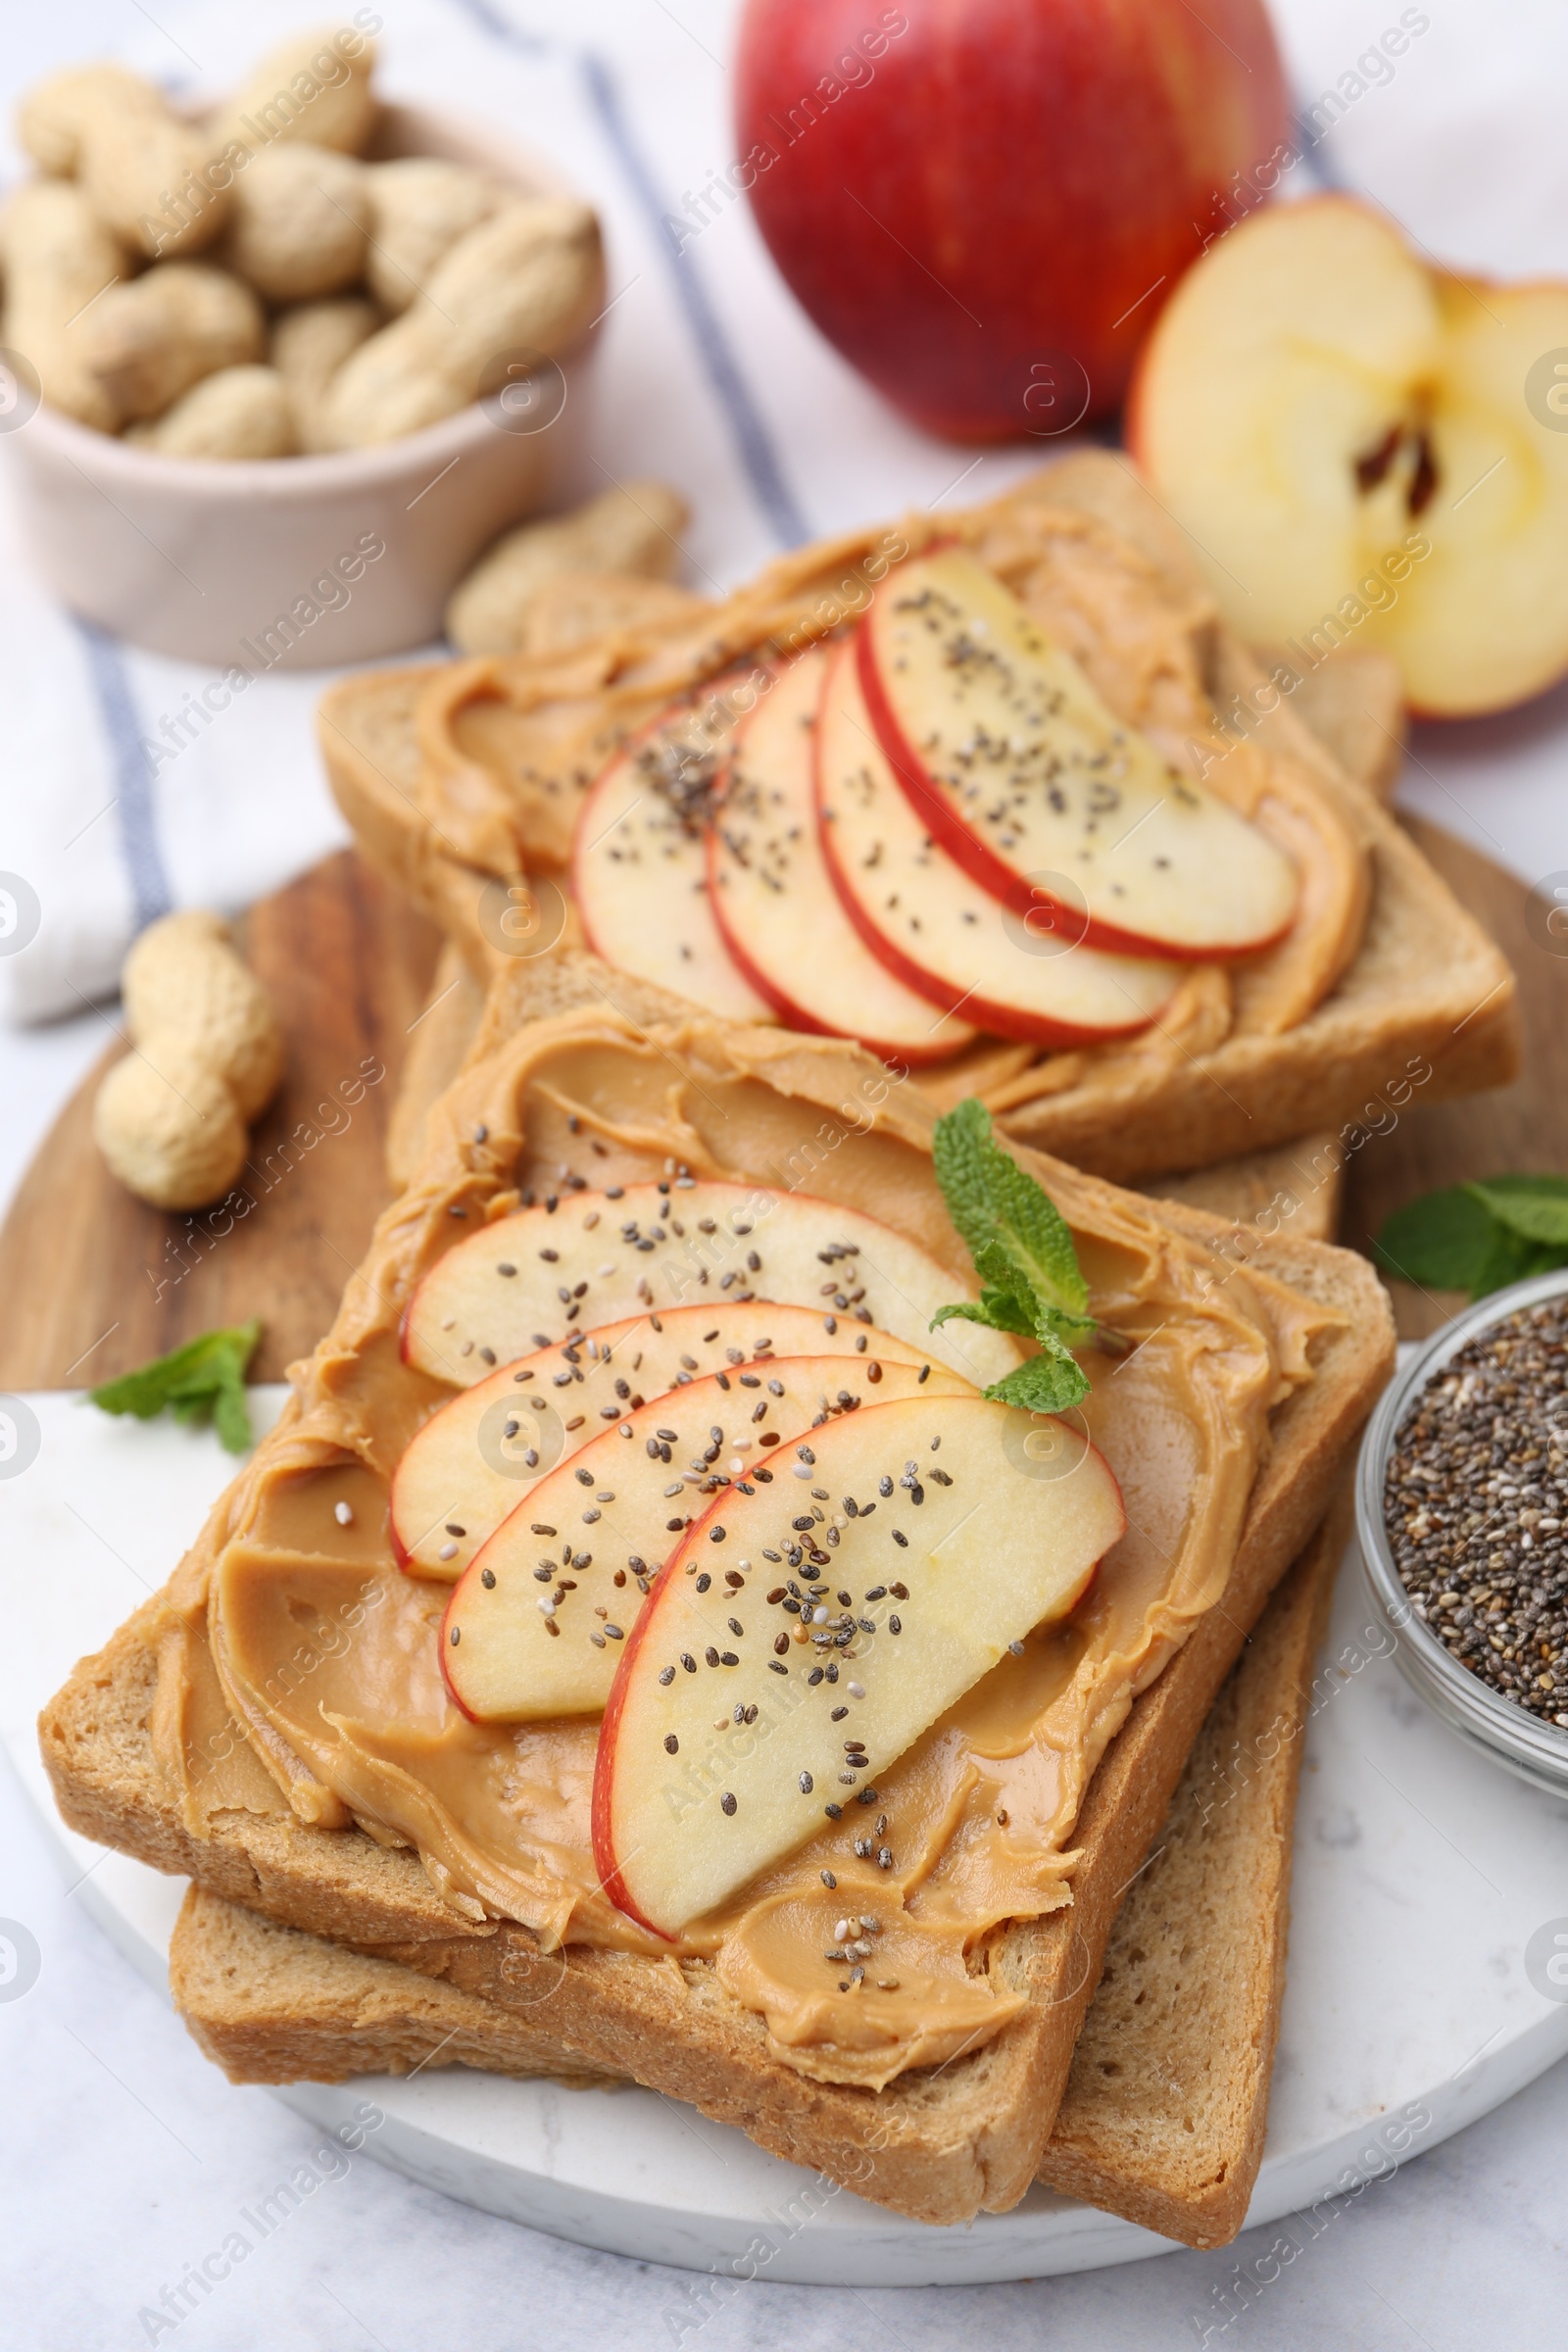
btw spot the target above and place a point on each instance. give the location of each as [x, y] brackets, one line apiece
[1499, 1728]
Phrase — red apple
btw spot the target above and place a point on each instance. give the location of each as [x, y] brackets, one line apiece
[984, 206]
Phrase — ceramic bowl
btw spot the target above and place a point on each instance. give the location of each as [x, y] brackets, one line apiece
[266, 564]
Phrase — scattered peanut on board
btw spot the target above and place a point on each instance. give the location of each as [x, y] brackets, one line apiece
[172, 1118]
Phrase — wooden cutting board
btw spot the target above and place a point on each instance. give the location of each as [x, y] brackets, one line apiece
[93, 1282]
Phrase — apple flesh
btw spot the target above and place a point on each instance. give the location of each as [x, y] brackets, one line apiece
[477, 1459]
[1027, 975]
[523, 1281]
[534, 1624]
[1370, 446]
[770, 889]
[1032, 785]
[983, 207]
[709, 1772]
[639, 868]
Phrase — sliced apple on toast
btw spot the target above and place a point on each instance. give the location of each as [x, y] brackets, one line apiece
[481, 1454]
[1023, 975]
[769, 887]
[1374, 446]
[1022, 774]
[596, 1257]
[738, 1716]
[639, 868]
[534, 1624]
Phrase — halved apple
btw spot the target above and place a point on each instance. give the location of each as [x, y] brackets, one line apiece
[533, 1625]
[1021, 772]
[721, 1749]
[1021, 975]
[481, 1454]
[596, 1257]
[1365, 450]
[639, 871]
[780, 914]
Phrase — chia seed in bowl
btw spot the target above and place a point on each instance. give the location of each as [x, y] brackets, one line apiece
[1475, 1498]
[1462, 1514]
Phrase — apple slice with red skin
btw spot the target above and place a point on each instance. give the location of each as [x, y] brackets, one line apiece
[478, 1457]
[523, 1281]
[1024, 976]
[639, 870]
[1024, 777]
[528, 1633]
[781, 916]
[955, 1551]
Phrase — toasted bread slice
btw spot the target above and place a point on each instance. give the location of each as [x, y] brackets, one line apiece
[1166, 2106]
[1164, 2116]
[454, 777]
[442, 1035]
[1302, 1184]
[1308, 1173]
[939, 2145]
[272, 2004]
[1351, 703]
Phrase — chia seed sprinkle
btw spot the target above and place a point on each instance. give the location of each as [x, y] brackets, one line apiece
[1475, 1501]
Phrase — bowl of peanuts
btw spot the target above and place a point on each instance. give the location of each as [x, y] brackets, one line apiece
[274, 373]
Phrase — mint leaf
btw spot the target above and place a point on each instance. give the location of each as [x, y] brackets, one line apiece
[961, 1152]
[1023, 1254]
[1003, 1302]
[997, 1309]
[1510, 1258]
[1478, 1237]
[990, 1198]
[232, 1419]
[1049, 1383]
[1439, 1241]
[203, 1380]
[1535, 1206]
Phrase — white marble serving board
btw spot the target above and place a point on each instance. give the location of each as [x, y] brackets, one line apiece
[1421, 1874]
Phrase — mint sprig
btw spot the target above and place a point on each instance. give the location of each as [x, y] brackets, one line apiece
[1022, 1249]
[205, 1380]
[1478, 1237]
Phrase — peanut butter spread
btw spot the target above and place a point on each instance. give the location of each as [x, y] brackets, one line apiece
[290, 1619]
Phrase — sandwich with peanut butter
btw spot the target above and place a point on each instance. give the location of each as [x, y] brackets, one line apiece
[994, 794]
[748, 1562]
[1164, 2114]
